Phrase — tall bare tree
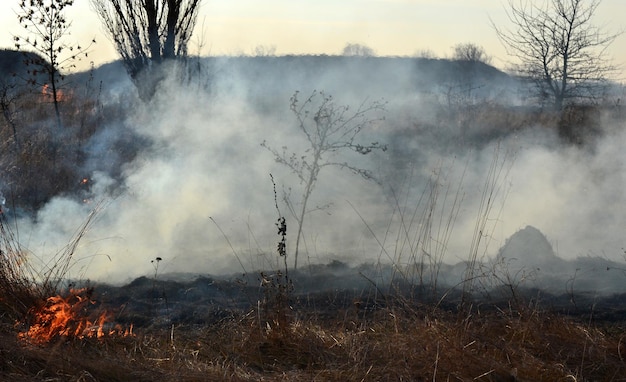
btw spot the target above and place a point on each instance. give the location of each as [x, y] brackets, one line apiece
[559, 47]
[46, 29]
[147, 33]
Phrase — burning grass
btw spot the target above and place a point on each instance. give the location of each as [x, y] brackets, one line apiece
[70, 317]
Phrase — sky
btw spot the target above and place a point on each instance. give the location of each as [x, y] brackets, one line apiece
[390, 27]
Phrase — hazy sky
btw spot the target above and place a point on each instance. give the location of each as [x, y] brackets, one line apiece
[390, 27]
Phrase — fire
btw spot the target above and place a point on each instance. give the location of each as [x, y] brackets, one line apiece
[46, 93]
[69, 317]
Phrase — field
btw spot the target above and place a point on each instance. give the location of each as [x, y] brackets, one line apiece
[139, 243]
[210, 329]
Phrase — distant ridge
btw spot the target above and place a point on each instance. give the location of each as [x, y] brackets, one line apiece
[389, 76]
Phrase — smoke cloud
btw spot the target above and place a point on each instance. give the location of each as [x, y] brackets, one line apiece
[200, 195]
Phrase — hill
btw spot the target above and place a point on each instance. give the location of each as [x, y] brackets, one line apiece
[13, 68]
[387, 77]
[262, 77]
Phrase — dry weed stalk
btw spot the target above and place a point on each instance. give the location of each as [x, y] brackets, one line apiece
[493, 192]
[329, 129]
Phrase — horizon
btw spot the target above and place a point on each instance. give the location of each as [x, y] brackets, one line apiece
[392, 28]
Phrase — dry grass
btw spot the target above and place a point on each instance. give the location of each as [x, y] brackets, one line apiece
[40, 161]
[391, 344]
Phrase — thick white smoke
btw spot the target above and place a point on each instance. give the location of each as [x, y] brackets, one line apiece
[206, 166]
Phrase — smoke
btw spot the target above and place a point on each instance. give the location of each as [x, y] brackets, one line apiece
[200, 195]
[573, 194]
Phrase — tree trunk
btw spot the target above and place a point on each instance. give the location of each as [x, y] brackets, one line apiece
[173, 13]
[55, 93]
[558, 102]
[153, 31]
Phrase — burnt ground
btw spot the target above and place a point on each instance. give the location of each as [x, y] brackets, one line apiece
[329, 291]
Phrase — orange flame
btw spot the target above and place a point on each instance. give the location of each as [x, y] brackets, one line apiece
[46, 93]
[68, 317]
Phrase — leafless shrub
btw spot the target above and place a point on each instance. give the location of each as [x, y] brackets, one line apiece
[329, 129]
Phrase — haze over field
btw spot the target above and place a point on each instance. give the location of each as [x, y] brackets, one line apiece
[206, 162]
[199, 194]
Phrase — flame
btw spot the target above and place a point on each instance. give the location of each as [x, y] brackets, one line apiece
[69, 317]
[46, 94]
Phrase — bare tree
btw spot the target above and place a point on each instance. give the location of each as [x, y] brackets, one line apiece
[264, 51]
[147, 33]
[425, 53]
[470, 52]
[329, 129]
[353, 49]
[559, 48]
[45, 29]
